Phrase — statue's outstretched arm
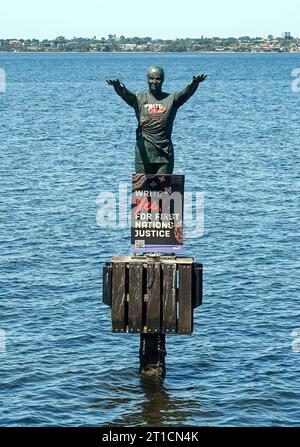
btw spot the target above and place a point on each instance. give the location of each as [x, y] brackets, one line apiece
[182, 96]
[121, 90]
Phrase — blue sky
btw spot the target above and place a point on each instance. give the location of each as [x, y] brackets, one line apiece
[155, 18]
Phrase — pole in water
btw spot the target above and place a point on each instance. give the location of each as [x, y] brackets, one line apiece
[152, 354]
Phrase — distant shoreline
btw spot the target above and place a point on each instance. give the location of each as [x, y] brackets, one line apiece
[149, 52]
[121, 44]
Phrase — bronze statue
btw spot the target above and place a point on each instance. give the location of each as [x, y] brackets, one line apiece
[155, 112]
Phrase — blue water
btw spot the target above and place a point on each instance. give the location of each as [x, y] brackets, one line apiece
[65, 137]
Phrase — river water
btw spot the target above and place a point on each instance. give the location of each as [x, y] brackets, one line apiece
[65, 137]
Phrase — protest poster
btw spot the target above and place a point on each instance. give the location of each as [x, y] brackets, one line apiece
[157, 213]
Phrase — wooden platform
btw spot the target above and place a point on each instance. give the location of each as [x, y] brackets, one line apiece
[152, 294]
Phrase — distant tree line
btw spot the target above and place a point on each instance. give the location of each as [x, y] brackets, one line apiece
[122, 43]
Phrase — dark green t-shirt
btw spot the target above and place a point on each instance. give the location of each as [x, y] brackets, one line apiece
[155, 121]
[155, 118]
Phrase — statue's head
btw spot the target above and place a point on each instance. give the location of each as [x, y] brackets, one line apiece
[155, 78]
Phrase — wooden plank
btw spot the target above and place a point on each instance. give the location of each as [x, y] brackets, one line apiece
[153, 320]
[135, 297]
[118, 298]
[185, 318]
[197, 284]
[107, 284]
[169, 324]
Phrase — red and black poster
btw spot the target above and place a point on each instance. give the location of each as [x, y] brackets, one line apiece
[157, 213]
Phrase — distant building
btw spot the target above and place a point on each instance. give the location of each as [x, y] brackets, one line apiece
[129, 46]
[286, 35]
[15, 43]
[266, 47]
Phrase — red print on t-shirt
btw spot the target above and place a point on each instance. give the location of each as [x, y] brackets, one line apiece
[155, 108]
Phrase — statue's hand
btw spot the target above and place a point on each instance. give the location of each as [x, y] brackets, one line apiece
[199, 78]
[114, 82]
